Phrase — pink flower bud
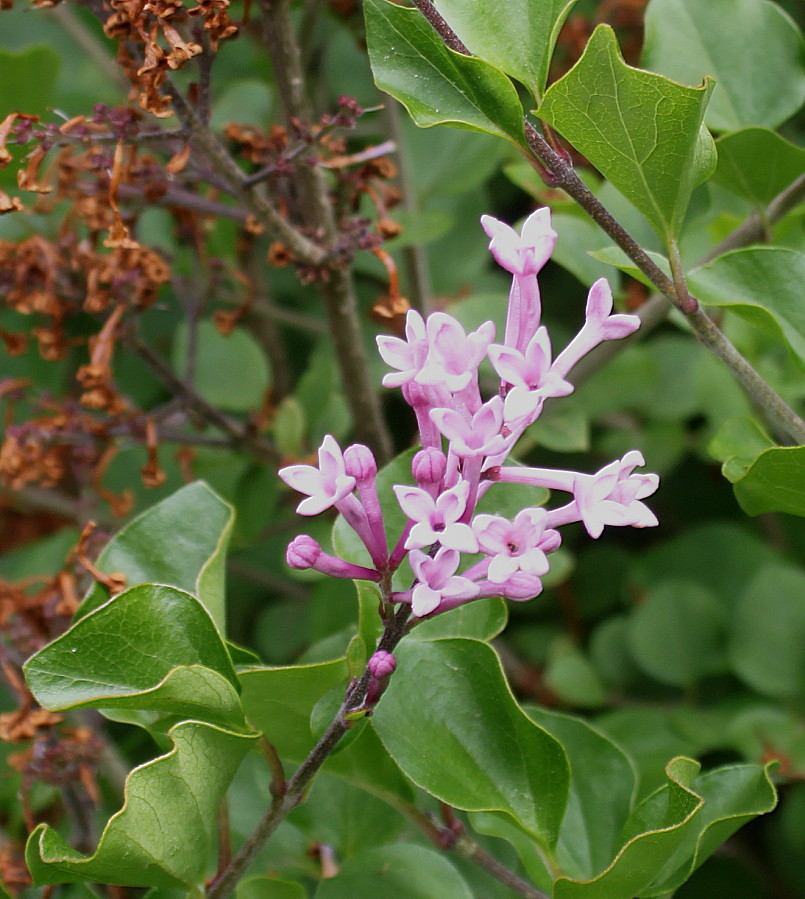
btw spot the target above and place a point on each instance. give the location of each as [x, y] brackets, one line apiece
[382, 664]
[359, 462]
[428, 466]
[303, 552]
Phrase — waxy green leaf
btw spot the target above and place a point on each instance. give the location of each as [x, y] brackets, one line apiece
[738, 169]
[761, 284]
[640, 130]
[180, 541]
[672, 831]
[602, 786]
[450, 722]
[751, 47]
[774, 482]
[151, 648]
[279, 702]
[517, 38]
[737, 444]
[436, 85]
[165, 831]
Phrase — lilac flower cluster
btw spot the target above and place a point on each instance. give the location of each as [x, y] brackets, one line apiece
[465, 442]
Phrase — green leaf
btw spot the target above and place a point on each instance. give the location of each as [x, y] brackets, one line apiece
[279, 702]
[774, 482]
[181, 541]
[768, 633]
[288, 428]
[602, 787]
[676, 634]
[149, 648]
[675, 829]
[517, 39]
[403, 871]
[737, 444]
[164, 834]
[27, 80]
[640, 130]
[738, 170]
[753, 50]
[615, 257]
[436, 85]
[761, 284]
[733, 795]
[572, 677]
[237, 353]
[450, 722]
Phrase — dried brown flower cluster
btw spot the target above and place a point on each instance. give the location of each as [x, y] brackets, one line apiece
[153, 41]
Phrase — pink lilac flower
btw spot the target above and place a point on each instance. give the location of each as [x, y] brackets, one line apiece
[525, 253]
[519, 545]
[477, 436]
[437, 581]
[326, 485]
[453, 356]
[304, 552]
[530, 374]
[437, 520]
[612, 496]
[598, 326]
[407, 356]
[523, 256]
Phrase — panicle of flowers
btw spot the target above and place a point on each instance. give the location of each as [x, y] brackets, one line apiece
[465, 443]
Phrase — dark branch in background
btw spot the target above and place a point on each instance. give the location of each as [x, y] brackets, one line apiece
[776, 410]
[239, 436]
[337, 287]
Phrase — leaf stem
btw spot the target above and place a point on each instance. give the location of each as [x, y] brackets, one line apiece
[298, 784]
[563, 175]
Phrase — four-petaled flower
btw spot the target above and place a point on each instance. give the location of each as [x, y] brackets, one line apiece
[437, 580]
[437, 520]
[326, 485]
[525, 253]
[465, 444]
[519, 545]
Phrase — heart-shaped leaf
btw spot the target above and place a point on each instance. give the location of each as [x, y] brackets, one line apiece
[640, 130]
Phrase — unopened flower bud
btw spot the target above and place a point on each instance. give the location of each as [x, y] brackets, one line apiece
[382, 664]
[359, 462]
[428, 466]
[303, 552]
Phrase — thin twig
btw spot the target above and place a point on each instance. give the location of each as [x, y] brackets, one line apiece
[337, 289]
[239, 436]
[297, 786]
[775, 409]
